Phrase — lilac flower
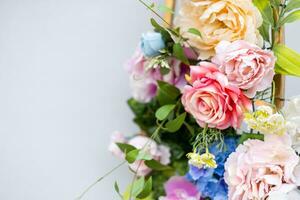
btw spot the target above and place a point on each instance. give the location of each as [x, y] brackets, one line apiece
[179, 188]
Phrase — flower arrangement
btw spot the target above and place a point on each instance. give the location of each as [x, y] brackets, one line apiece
[204, 98]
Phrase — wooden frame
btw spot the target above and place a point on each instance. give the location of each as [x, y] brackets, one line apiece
[279, 80]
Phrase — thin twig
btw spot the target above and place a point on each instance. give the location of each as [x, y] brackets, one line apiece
[99, 179]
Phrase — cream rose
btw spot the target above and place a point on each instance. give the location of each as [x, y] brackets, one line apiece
[219, 20]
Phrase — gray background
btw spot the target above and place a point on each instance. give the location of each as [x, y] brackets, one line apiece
[63, 91]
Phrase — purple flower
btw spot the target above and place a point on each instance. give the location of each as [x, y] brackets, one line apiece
[179, 188]
[143, 81]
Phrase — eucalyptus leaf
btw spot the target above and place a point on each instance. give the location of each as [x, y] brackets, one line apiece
[247, 136]
[292, 17]
[155, 165]
[146, 190]
[163, 112]
[178, 53]
[195, 32]
[132, 155]
[292, 4]
[288, 60]
[175, 125]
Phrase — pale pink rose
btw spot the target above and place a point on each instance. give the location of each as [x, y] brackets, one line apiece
[260, 168]
[158, 152]
[178, 188]
[211, 100]
[143, 81]
[246, 65]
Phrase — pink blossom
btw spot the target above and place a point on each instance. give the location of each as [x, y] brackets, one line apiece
[246, 66]
[211, 100]
[178, 188]
[158, 152]
[116, 137]
[143, 81]
[260, 168]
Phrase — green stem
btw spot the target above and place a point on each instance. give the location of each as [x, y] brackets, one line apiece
[100, 179]
[158, 15]
[273, 92]
[154, 135]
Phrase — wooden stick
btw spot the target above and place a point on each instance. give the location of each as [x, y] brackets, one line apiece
[169, 16]
[279, 80]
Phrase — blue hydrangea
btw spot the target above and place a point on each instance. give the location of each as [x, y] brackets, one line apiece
[210, 182]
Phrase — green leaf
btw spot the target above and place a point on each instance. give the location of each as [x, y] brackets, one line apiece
[125, 147]
[247, 136]
[266, 10]
[288, 61]
[116, 186]
[175, 125]
[143, 156]
[264, 30]
[292, 4]
[164, 9]
[195, 32]
[163, 31]
[132, 155]
[292, 17]
[147, 189]
[167, 94]
[178, 53]
[163, 112]
[138, 186]
[155, 165]
[190, 128]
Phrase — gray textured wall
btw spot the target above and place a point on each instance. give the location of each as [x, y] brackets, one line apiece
[63, 91]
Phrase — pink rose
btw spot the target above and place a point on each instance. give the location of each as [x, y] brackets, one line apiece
[143, 81]
[260, 168]
[246, 66]
[178, 188]
[211, 100]
[160, 153]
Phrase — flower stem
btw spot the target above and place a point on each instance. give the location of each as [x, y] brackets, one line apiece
[99, 180]
[154, 135]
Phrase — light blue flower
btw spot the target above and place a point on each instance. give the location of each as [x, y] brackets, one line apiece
[152, 43]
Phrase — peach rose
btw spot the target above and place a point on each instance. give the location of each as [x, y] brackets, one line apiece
[219, 20]
[259, 168]
[246, 66]
[211, 100]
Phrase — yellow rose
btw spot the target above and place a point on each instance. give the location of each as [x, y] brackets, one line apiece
[219, 20]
